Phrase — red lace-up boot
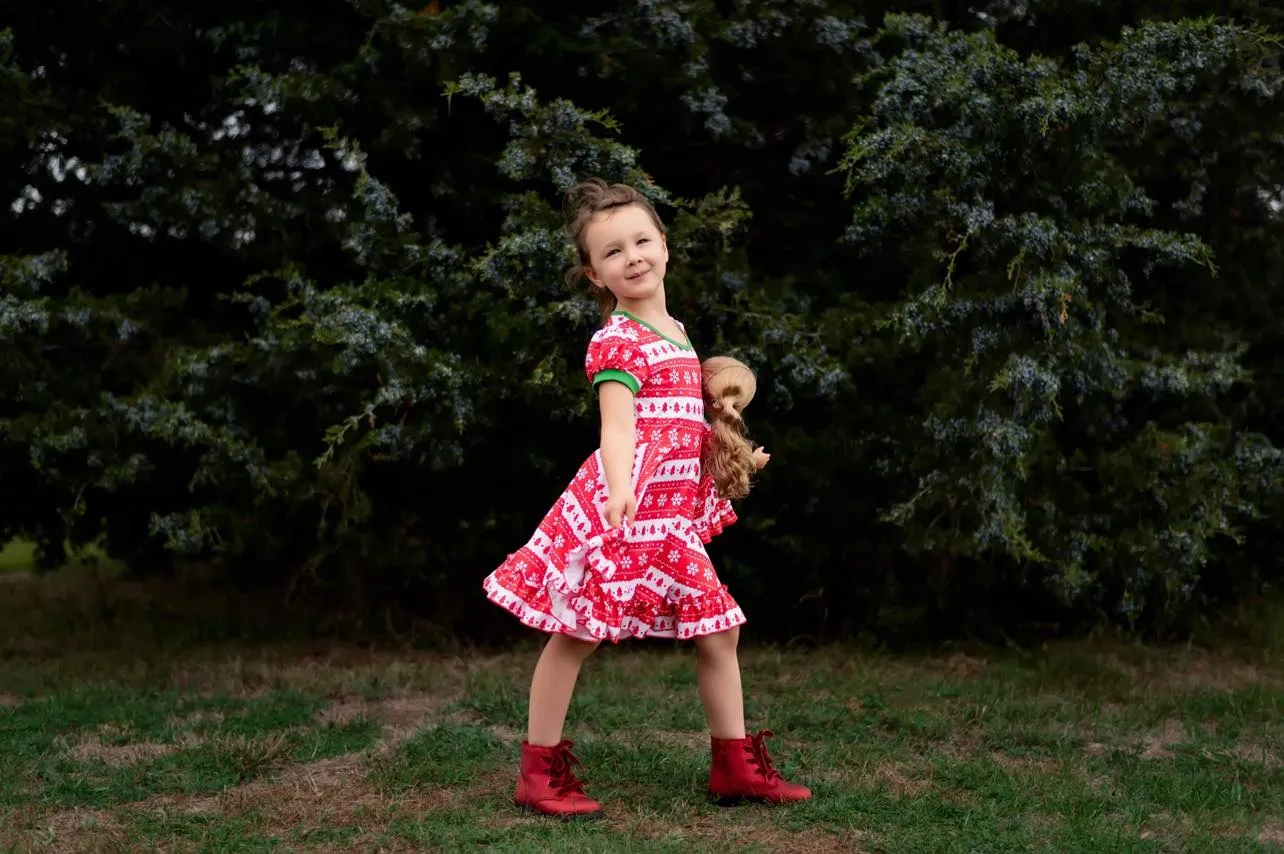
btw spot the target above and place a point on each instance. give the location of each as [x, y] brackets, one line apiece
[742, 771]
[548, 784]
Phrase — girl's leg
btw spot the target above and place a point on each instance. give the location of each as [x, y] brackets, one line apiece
[740, 769]
[546, 782]
[552, 686]
[718, 672]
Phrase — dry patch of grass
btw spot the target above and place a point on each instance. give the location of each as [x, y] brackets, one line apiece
[202, 718]
[959, 665]
[1190, 670]
[1254, 751]
[1272, 833]
[506, 734]
[759, 831]
[767, 835]
[468, 717]
[1157, 745]
[181, 804]
[332, 794]
[1025, 764]
[1165, 826]
[898, 778]
[279, 796]
[79, 829]
[1220, 673]
[122, 755]
[329, 669]
[401, 717]
[675, 738]
[110, 744]
[255, 754]
[902, 780]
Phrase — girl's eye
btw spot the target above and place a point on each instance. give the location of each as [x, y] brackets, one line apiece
[645, 240]
[611, 252]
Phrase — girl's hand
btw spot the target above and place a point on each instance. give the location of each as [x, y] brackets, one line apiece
[621, 505]
[760, 458]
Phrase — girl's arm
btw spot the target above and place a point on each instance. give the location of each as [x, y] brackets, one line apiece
[616, 402]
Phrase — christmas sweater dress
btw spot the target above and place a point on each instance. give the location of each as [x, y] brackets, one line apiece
[651, 577]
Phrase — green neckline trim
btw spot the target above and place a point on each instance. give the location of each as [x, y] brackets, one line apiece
[640, 322]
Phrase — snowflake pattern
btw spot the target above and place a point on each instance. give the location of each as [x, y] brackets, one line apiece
[658, 578]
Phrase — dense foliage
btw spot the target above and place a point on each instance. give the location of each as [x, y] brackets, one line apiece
[282, 294]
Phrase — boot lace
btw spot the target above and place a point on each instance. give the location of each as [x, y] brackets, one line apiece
[561, 771]
[757, 748]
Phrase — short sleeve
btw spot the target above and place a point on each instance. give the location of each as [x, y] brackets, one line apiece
[616, 359]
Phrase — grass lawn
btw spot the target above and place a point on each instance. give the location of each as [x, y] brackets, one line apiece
[17, 557]
[121, 728]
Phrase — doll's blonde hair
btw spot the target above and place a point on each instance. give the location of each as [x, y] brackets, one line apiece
[585, 201]
[729, 386]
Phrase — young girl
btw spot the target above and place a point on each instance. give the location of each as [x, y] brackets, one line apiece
[621, 552]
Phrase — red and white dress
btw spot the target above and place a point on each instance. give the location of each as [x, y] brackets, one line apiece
[652, 577]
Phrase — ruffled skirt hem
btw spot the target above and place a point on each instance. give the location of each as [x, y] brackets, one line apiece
[571, 617]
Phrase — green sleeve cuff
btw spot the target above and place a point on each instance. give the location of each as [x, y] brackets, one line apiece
[611, 375]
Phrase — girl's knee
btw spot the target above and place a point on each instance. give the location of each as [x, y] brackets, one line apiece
[573, 646]
[722, 643]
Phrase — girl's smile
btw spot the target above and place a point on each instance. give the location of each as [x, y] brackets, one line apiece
[627, 255]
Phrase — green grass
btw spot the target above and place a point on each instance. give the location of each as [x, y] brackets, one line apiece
[115, 740]
[18, 556]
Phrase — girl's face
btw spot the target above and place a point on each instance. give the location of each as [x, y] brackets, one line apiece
[627, 254]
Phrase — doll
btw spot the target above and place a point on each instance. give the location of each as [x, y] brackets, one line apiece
[729, 456]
